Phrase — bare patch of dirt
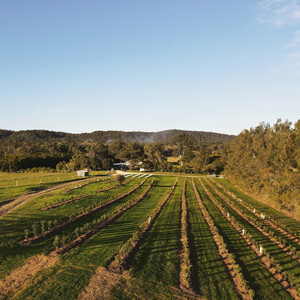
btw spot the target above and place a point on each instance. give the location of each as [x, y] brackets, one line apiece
[101, 284]
[19, 278]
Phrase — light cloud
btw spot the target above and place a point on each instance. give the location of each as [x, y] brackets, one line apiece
[279, 12]
[282, 13]
[295, 42]
[290, 65]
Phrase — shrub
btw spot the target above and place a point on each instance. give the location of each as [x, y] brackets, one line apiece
[35, 229]
[26, 233]
[56, 242]
[43, 226]
[49, 224]
[119, 179]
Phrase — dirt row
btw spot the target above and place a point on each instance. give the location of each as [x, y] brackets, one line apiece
[185, 275]
[61, 226]
[280, 245]
[101, 226]
[236, 276]
[265, 261]
[267, 221]
[122, 261]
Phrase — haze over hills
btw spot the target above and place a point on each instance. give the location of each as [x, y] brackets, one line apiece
[164, 136]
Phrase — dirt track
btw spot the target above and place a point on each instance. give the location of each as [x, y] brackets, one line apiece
[20, 200]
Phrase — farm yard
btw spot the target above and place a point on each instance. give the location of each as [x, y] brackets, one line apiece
[151, 237]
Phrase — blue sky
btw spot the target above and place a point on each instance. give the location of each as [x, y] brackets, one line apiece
[80, 66]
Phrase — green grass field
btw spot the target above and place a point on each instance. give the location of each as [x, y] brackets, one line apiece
[153, 270]
[16, 184]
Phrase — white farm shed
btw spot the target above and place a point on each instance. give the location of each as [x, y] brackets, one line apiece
[82, 173]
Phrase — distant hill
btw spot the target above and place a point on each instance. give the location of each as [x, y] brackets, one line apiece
[165, 136]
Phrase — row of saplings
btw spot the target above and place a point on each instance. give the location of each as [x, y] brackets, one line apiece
[273, 218]
[43, 226]
[290, 278]
[261, 225]
[79, 231]
[186, 265]
[276, 237]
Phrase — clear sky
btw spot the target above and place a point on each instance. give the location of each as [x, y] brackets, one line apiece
[80, 66]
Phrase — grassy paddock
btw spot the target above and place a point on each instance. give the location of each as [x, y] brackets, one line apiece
[155, 266]
[76, 268]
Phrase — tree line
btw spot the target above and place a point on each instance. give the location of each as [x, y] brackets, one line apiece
[69, 155]
[265, 160]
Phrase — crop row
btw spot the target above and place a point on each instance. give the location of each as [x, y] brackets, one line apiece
[185, 255]
[270, 264]
[38, 235]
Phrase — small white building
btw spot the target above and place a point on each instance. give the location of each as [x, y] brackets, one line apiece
[142, 170]
[83, 173]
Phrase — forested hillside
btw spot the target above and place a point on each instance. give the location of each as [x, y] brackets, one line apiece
[265, 160]
[99, 150]
[201, 137]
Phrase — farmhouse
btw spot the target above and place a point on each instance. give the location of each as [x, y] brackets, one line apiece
[83, 173]
[121, 166]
